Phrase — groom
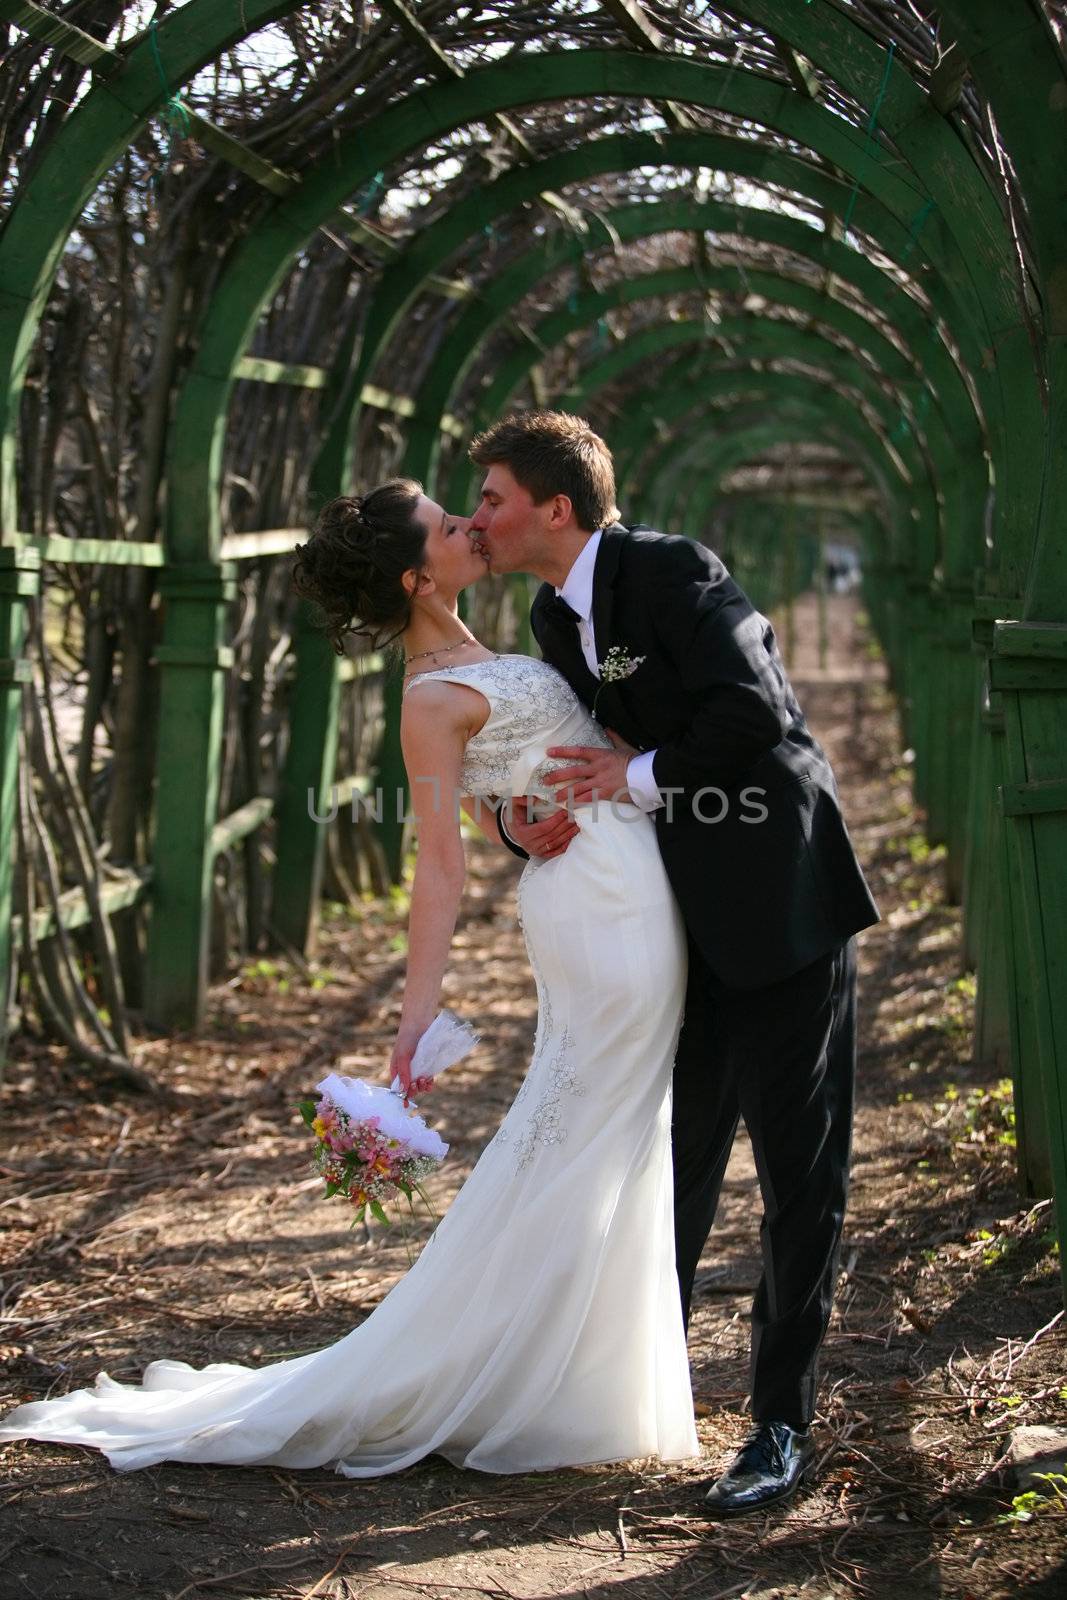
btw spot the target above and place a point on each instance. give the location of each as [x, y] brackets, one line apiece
[708, 737]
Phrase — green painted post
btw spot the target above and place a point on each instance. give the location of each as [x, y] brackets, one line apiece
[305, 784]
[192, 659]
[1005, 972]
[986, 922]
[938, 745]
[20, 576]
[307, 774]
[1029, 664]
[1006, 1035]
[915, 705]
[978, 871]
[961, 715]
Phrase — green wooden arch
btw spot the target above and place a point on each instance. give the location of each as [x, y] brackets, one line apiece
[645, 432]
[748, 435]
[260, 261]
[924, 654]
[190, 39]
[590, 307]
[798, 397]
[460, 349]
[470, 216]
[692, 381]
[758, 340]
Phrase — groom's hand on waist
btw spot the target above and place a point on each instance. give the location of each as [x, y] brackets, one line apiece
[536, 832]
[593, 774]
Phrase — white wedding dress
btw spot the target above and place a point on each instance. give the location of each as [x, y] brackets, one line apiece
[541, 1325]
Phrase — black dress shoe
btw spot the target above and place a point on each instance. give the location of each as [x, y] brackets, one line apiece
[768, 1468]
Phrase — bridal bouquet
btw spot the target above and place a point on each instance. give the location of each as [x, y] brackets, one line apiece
[371, 1147]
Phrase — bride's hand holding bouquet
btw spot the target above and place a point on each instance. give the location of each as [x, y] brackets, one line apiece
[404, 1048]
[372, 1146]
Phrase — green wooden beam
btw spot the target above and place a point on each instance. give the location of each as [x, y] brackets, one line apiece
[116, 894]
[1028, 799]
[947, 79]
[253, 546]
[64, 36]
[384, 249]
[104, 552]
[230, 830]
[259, 370]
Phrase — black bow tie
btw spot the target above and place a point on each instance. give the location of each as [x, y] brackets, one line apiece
[559, 611]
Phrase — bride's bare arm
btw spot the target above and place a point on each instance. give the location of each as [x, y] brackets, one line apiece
[434, 729]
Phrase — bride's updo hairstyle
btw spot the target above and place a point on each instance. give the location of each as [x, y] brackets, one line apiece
[352, 564]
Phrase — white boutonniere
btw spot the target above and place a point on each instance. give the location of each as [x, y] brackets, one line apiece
[616, 666]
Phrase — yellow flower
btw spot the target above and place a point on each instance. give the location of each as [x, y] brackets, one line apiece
[319, 1127]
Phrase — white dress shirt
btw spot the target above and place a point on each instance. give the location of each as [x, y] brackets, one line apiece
[577, 591]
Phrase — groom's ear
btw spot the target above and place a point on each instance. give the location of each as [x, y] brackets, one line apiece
[560, 511]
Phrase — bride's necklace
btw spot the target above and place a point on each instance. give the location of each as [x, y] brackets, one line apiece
[441, 650]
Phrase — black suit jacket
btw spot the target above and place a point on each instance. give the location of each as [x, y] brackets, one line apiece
[774, 882]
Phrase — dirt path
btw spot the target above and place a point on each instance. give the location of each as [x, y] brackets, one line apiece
[131, 1234]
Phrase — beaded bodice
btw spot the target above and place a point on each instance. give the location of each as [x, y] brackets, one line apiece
[531, 706]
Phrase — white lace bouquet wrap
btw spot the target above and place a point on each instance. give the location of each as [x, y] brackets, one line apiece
[371, 1147]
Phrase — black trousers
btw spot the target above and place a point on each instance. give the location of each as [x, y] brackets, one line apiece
[783, 1057]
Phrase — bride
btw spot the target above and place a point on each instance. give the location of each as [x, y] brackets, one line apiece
[541, 1326]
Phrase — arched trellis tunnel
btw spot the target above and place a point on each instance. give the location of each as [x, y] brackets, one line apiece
[743, 226]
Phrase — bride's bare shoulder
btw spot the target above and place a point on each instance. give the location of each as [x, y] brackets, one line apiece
[439, 705]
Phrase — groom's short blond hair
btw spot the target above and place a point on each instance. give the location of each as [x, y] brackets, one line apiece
[549, 453]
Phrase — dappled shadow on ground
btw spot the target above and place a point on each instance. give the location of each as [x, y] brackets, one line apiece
[197, 1232]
